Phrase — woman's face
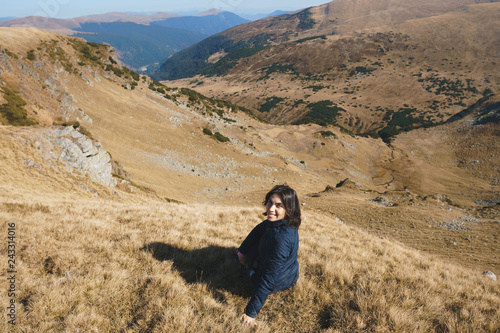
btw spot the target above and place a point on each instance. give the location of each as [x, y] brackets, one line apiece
[275, 209]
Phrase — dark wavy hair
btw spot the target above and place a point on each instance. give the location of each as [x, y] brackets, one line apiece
[291, 202]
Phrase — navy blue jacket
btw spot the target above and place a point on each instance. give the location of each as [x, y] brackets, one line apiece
[278, 266]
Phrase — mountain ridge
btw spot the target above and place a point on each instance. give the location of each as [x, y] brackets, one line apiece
[390, 73]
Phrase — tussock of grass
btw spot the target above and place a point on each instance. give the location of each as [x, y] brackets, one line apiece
[13, 111]
[157, 267]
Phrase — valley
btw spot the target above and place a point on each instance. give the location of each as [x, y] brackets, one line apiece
[394, 154]
[141, 41]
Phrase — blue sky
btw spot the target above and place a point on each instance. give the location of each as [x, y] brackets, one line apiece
[75, 8]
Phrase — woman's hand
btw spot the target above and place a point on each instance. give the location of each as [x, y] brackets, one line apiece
[246, 320]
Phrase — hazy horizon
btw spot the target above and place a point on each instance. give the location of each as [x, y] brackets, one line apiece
[65, 9]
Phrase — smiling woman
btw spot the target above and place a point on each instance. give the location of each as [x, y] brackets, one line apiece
[270, 250]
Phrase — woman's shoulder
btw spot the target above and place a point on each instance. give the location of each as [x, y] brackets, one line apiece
[285, 231]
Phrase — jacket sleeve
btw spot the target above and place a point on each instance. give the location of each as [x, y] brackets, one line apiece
[253, 237]
[272, 269]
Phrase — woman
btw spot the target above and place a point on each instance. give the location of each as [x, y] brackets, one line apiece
[270, 250]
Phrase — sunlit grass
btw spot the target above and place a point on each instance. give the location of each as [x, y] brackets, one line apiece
[155, 267]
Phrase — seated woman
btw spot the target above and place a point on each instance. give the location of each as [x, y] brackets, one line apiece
[270, 250]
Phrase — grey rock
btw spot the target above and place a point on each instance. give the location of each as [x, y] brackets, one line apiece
[383, 202]
[453, 225]
[109, 75]
[52, 86]
[81, 153]
[83, 116]
[87, 147]
[66, 131]
[68, 103]
[438, 197]
[491, 275]
[38, 64]
[32, 164]
[469, 219]
[87, 80]
[4, 61]
[76, 134]
[487, 202]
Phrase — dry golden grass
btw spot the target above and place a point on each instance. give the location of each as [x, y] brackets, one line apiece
[104, 266]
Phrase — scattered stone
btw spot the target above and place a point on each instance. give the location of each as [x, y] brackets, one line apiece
[487, 202]
[383, 202]
[31, 164]
[453, 225]
[469, 219]
[491, 275]
[438, 197]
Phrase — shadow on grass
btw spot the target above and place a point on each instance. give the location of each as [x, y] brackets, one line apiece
[218, 267]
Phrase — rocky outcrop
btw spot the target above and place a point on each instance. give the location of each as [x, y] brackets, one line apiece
[85, 155]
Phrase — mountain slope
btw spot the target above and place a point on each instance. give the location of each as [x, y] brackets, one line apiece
[338, 17]
[164, 141]
[160, 267]
[372, 76]
[51, 77]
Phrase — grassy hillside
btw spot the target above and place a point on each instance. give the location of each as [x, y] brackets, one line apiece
[401, 246]
[380, 75]
[152, 266]
[333, 18]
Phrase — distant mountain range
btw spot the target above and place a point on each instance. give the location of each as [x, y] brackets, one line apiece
[139, 46]
[204, 24]
[141, 41]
